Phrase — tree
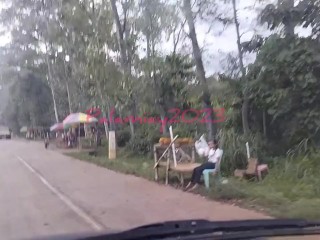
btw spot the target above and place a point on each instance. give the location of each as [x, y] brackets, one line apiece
[198, 62]
[245, 104]
[28, 104]
[154, 20]
[289, 15]
[291, 95]
[29, 25]
[126, 45]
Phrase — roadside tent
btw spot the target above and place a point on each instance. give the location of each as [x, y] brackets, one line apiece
[78, 118]
[57, 127]
[24, 129]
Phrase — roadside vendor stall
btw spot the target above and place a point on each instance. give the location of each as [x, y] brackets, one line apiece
[60, 138]
[174, 154]
[76, 119]
[24, 129]
[34, 132]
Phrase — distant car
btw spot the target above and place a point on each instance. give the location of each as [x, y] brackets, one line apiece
[5, 132]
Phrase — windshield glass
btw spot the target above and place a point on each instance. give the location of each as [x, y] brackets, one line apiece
[121, 113]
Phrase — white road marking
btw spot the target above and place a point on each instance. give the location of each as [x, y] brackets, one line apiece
[63, 198]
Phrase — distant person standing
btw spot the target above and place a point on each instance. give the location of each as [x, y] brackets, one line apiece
[46, 141]
[98, 137]
[69, 138]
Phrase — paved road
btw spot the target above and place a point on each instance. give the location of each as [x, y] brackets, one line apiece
[45, 193]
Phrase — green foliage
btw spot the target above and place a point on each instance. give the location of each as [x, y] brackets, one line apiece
[185, 130]
[152, 133]
[145, 137]
[290, 15]
[123, 137]
[234, 150]
[170, 87]
[285, 82]
[139, 145]
[28, 104]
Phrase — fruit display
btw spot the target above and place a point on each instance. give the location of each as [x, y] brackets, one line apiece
[181, 141]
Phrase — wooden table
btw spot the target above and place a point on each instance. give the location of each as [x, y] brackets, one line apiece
[167, 162]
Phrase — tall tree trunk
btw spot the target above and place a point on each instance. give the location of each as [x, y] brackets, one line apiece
[176, 39]
[69, 98]
[66, 73]
[103, 108]
[148, 50]
[54, 103]
[245, 104]
[120, 34]
[50, 74]
[125, 59]
[104, 114]
[288, 22]
[211, 129]
[105, 124]
[132, 129]
[50, 81]
[133, 111]
[160, 107]
[133, 104]
[264, 122]
[111, 117]
[165, 128]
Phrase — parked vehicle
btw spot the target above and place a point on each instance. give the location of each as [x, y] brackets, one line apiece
[5, 132]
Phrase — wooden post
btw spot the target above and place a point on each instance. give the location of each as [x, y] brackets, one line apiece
[79, 136]
[173, 147]
[248, 150]
[155, 161]
[168, 168]
[112, 145]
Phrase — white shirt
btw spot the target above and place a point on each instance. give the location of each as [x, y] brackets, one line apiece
[214, 155]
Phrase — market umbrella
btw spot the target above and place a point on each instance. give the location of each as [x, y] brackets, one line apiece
[77, 118]
[57, 127]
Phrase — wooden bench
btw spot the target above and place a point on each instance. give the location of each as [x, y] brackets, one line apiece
[184, 168]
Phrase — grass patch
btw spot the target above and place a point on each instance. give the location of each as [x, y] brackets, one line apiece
[124, 163]
[292, 189]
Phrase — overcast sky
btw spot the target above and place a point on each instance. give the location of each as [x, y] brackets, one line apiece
[218, 42]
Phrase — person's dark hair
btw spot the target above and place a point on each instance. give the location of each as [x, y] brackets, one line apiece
[215, 142]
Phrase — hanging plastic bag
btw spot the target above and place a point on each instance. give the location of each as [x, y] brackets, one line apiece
[202, 147]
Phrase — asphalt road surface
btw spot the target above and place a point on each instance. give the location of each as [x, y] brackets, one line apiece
[44, 193]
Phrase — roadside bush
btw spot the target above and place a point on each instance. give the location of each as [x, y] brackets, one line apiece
[139, 145]
[234, 149]
[123, 137]
[152, 134]
[185, 130]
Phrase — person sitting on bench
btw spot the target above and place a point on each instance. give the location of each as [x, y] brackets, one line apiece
[214, 155]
